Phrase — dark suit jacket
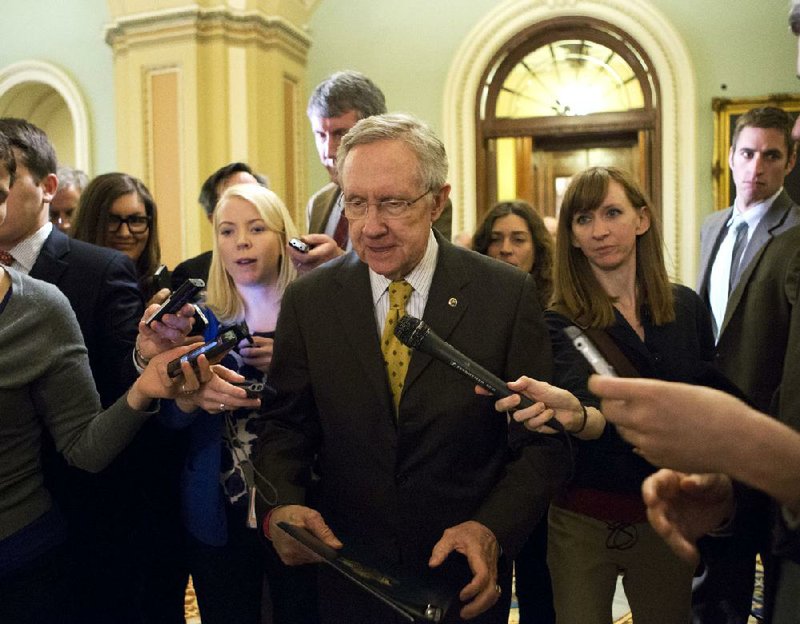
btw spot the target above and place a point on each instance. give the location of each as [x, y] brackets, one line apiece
[194, 268]
[102, 289]
[322, 202]
[751, 352]
[398, 486]
[767, 318]
[114, 518]
[752, 340]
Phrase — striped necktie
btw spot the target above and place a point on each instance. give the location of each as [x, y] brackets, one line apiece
[739, 243]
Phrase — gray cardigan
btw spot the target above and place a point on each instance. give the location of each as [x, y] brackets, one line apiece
[45, 382]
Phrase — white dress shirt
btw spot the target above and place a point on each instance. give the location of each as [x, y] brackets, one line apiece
[721, 267]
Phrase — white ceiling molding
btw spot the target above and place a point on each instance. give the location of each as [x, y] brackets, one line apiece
[40, 72]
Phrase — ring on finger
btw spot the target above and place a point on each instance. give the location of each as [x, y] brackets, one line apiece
[221, 407]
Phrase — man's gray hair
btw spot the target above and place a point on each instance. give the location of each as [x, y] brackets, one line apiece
[416, 134]
[346, 91]
[67, 176]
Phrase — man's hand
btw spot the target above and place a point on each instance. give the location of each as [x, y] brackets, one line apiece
[159, 297]
[682, 508]
[479, 545]
[323, 248]
[169, 332]
[290, 550]
[670, 424]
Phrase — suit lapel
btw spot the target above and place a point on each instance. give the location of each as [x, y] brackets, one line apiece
[775, 221]
[446, 305]
[353, 305]
[323, 207]
[49, 266]
[738, 290]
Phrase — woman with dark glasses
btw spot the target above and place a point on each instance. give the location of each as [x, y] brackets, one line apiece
[116, 210]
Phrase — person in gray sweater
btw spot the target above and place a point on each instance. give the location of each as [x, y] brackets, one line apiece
[46, 383]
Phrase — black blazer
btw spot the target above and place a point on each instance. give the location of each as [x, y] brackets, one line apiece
[194, 268]
[102, 289]
[398, 485]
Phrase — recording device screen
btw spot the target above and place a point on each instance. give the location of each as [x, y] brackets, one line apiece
[214, 350]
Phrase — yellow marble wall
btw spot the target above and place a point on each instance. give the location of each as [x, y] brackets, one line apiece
[202, 85]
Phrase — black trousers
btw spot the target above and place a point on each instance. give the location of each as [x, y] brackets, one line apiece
[228, 580]
[534, 588]
[38, 593]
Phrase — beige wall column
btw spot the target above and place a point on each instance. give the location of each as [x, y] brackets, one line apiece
[201, 85]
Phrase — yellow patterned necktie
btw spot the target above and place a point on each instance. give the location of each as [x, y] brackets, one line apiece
[395, 354]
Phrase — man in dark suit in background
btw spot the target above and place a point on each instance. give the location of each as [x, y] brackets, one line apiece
[751, 333]
[419, 467]
[335, 105]
[104, 511]
[213, 187]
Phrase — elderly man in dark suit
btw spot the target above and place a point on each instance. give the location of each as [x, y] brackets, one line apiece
[415, 466]
[750, 332]
[101, 286]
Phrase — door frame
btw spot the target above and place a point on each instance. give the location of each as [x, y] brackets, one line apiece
[672, 64]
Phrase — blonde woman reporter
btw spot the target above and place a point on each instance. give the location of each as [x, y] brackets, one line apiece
[248, 275]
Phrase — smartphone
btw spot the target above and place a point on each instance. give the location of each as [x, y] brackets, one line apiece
[299, 245]
[185, 293]
[588, 349]
[214, 350]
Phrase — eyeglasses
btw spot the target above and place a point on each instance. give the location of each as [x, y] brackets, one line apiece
[136, 223]
[388, 208]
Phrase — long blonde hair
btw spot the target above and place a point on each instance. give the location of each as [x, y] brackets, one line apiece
[222, 297]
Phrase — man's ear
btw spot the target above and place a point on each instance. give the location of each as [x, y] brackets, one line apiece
[441, 199]
[792, 161]
[49, 185]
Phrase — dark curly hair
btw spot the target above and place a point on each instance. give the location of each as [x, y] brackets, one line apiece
[542, 270]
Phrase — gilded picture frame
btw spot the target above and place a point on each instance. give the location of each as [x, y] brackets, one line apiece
[726, 112]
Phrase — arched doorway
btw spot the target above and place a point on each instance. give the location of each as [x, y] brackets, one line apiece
[44, 95]
[676, 188]
[563, 95]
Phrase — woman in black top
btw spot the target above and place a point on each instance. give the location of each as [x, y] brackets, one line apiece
[610, 278]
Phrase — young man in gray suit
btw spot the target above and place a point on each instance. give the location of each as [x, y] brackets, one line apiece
[762, 154]
[750, 332]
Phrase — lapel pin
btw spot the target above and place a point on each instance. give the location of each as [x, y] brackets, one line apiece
[452, 302]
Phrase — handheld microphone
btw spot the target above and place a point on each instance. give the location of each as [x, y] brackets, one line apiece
[416, 334]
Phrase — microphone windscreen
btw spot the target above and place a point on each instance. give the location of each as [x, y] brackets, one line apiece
[410, 331]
